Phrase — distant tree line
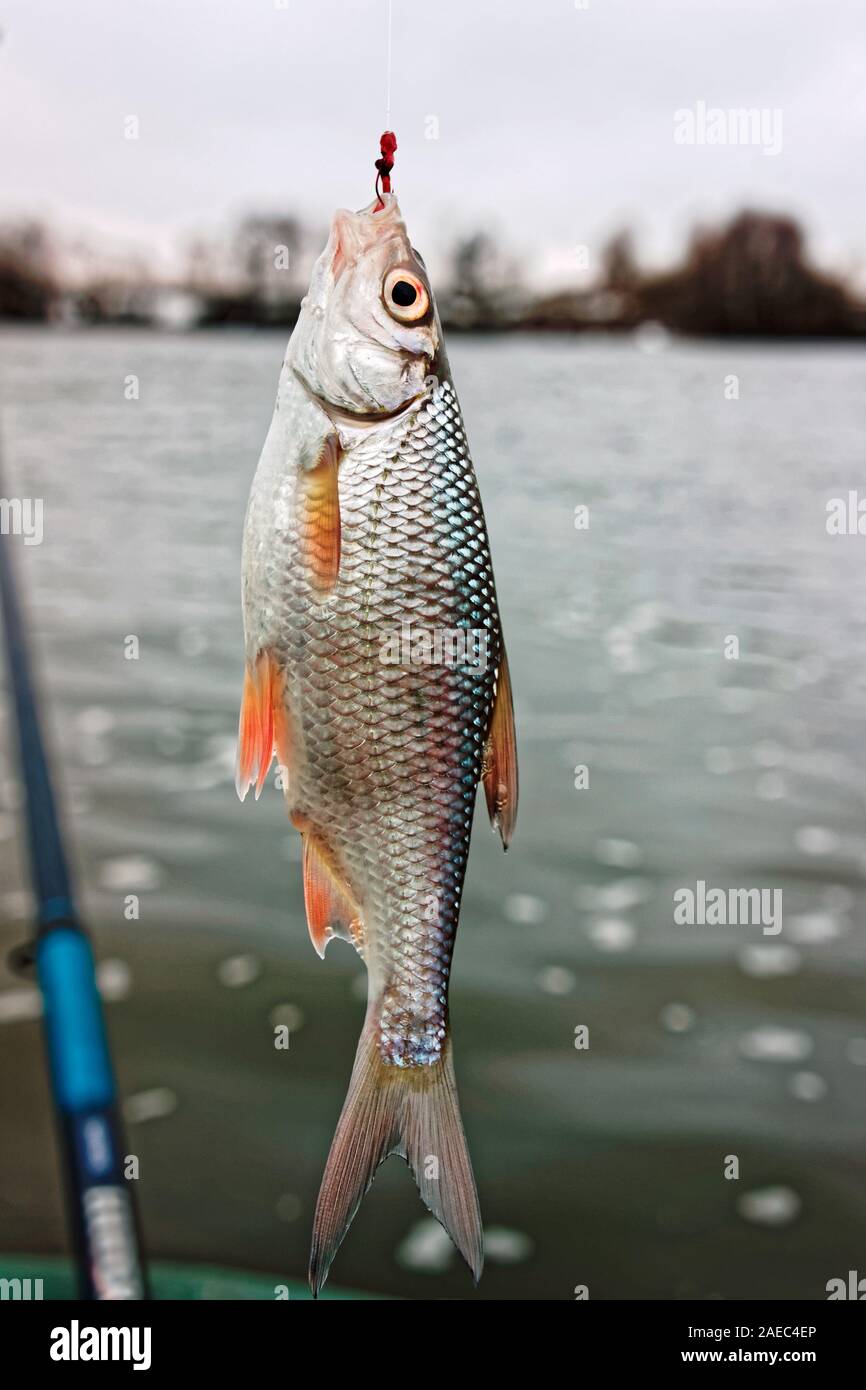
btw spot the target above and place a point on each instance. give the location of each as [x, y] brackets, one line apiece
[751, 277]
[28, 288]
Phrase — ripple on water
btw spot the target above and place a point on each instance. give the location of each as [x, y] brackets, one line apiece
[427, 1248]
[130, 873]
[719, 761]
[611, 934]
[618, 896]
[20, 1005]
[770, 786]
[289, 1016]
[618, 854]
[113, 980]
[677, 1018]
[646, 617]
[817, 840]
[216, 768]
[814, 928]
[95, 721]
[768, 754]
[672, 685]
[769, 960]
[807, 1085]
[79, 799]
[289, 1207]
[770, 1206]
[554, 979]
[11, 794]
[170, 742]
[525, 909]
[771, 1043]
[19, 903]
[93, 752]
[192, 641]
[737, 699]
[837, 898]
[503, 1246]
[155, 1104]
[236, 971]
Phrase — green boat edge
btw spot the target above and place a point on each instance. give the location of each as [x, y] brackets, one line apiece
[169, 1282]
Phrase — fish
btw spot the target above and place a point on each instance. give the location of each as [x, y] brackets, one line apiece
[376, 674]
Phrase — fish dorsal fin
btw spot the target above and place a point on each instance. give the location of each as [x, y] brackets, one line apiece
[500, 759]
[319, 517]
[330, 910]
[263, 724]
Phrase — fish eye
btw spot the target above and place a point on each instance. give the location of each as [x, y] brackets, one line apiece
[406, 297]
[404, 293]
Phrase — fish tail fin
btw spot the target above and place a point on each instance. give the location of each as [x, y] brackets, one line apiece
[437, 1152]
[411, 1111]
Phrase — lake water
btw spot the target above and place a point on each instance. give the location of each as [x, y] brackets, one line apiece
[694, 660]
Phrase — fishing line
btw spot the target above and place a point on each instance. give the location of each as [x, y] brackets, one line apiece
[388, 140]
[388, 84]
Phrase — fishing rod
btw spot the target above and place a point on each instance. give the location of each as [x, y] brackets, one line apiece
[102, 1213]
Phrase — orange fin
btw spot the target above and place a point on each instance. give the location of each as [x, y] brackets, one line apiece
[330, 910]
[500, 759]
[262, 724]
[319, 518]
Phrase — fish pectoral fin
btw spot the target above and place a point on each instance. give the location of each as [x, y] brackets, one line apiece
[330, 909]
[263, 724]
[319, 517]
[499, 771]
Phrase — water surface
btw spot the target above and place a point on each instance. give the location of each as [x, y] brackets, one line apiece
[601, 1166]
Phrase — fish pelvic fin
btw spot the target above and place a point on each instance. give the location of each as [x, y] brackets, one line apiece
[499, 772]
[410, 1111]
[263, 724]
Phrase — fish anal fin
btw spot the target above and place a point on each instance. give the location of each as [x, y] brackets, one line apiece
[499, 772]
[330, 910]
[263, 723]
[319, 517]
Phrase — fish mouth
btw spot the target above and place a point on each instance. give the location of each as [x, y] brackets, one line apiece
[343, 415]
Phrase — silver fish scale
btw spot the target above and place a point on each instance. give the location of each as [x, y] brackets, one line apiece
[387, 752]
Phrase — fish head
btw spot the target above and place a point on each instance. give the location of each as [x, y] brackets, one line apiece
[368, 334]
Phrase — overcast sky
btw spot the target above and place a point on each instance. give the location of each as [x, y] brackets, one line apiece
[555, 122]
